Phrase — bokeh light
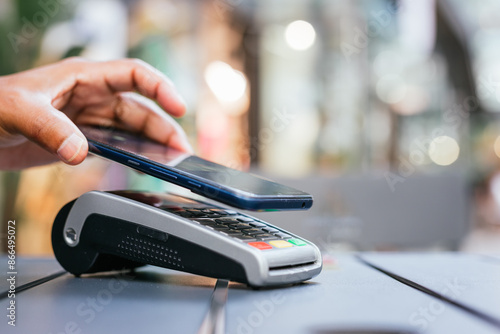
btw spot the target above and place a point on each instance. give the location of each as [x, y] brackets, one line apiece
[300, 35]
[391, 88]
[496, 146]
[444, 150]
[227, 84]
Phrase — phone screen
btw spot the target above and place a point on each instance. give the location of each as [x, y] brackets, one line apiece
[174, 160]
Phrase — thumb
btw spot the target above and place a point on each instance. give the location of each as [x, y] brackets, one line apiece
[55, 132]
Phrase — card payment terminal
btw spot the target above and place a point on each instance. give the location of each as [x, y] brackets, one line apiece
[102, 231]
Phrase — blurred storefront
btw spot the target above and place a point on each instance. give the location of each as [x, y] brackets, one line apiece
[287, 88]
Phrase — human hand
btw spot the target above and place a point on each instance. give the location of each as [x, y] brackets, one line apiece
[41, 108]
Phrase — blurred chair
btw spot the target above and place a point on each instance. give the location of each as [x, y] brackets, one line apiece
[363, 213]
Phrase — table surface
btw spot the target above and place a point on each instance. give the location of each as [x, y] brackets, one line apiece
[364, 293]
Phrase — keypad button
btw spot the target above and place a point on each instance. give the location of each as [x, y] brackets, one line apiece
[244, 219]
[270, 230]
[231, 233]
[221, 228]
[196, 213]
[212, 215]
[257, 224]
[227, 221]
[219, 211]
[283, 235]
[260, 245]
[208, 222]
[266, 236]
[244, 237]
[240, 226]
[280, 243]
[297, 242]
[253, 231]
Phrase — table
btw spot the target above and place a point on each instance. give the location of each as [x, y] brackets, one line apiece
[355, 293]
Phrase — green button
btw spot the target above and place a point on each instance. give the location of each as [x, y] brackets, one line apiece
[297, 242]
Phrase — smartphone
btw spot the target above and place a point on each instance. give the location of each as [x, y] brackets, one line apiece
[226, 185]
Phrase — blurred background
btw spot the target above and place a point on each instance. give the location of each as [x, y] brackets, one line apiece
[385, 110]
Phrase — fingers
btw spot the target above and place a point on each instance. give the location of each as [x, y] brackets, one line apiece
[132, 74]
[78, 85]
[53, 131]
[140, 114]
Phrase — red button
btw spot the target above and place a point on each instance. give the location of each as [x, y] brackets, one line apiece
[260, 245]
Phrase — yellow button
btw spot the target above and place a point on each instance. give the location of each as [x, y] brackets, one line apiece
[280, 243]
